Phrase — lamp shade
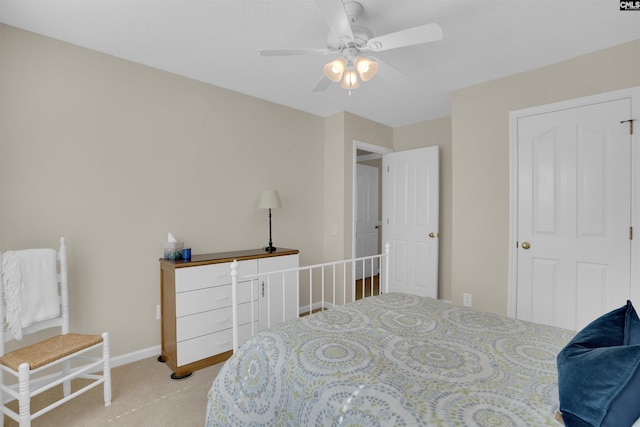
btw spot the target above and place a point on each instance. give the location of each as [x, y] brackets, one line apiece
[269, 199]
[350, 80]
[366, 68]
[334, 69]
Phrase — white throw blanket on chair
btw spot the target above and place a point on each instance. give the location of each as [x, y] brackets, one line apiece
[30, 281]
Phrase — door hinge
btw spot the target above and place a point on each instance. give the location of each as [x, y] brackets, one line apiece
[630, 233]
[630, 125]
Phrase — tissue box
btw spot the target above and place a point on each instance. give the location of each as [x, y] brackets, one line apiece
[173, 250]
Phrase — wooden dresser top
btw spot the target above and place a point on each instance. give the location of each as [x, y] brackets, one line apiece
[220, 257]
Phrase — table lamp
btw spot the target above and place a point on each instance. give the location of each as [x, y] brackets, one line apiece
[269, 199]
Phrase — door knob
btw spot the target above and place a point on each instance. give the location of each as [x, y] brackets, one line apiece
[526, 245]
[433, 235]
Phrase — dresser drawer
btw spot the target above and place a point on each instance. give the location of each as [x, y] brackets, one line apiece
[188, 327]
[203, 300]
[213, 298]
[205, 346]
[205, 276]
[196, 325]
[208, 345]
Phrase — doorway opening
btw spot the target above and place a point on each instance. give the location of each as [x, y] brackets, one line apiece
[367, 212]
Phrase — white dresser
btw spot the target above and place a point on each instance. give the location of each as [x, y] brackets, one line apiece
[196, 304]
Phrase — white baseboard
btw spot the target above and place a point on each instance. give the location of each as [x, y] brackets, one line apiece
[135, 356]
[315, 306]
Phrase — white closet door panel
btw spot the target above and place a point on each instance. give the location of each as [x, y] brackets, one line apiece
[400, 263]
[545, 183]
[537, 300]
[421, 269]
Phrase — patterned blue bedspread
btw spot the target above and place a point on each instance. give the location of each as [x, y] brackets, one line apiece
[393, 359]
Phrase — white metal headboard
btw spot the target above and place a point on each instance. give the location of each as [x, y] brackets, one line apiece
[335, 268]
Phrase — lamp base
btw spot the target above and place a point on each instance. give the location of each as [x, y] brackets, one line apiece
[270, 249]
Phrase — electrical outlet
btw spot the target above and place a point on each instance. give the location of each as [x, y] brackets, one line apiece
[158, 312]
[466, 300]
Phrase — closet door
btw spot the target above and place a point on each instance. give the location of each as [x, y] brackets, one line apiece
[574, 213]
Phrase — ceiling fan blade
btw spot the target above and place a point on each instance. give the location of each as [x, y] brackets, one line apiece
[336, 16]
[322, 84]
[289, 52]
[409, 37]
[388, 73]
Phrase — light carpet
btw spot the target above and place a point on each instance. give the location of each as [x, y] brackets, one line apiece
[143, 395]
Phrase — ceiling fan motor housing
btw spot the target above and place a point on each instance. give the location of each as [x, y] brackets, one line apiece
[353, 9]
[361, 35]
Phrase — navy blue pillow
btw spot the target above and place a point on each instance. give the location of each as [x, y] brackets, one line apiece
[598, 372]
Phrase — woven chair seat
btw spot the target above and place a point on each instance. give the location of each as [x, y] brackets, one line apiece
[49, 350]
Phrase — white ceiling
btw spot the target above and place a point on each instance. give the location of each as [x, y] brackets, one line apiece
[218, 42]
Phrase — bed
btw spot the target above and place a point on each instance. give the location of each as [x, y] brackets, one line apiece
[392, 359]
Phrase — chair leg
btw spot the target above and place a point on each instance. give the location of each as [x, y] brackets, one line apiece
[106, 372]
[66, 386]
[24, 395]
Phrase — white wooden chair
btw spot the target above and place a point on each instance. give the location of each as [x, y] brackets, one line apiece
[36, 368]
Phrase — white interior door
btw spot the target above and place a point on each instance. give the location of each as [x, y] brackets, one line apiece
[367, 188]
[574, 213]
[410, 181]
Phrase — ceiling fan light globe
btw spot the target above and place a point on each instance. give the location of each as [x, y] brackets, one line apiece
[334, 69]
[366, 68]
[350, 80]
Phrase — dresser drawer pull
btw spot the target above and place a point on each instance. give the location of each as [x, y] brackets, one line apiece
[223, 320]
[222, 274]
[221, 298]
[223, 343]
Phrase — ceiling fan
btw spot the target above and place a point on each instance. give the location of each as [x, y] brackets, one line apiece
[352, 42]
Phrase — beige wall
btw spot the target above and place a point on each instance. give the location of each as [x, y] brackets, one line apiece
[426, 134]
[480, 132]
[334, 172]
[113, 155]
